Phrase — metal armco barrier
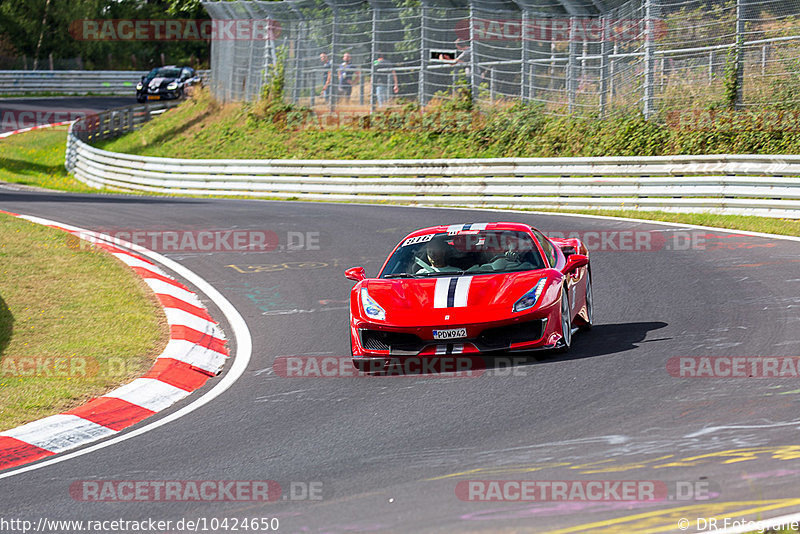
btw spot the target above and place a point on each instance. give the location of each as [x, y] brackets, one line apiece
[72, 82]
[727, 184]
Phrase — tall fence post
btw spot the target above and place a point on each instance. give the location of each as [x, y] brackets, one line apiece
[422, 58]
[524, 91]
[649, 59]
[473, 74]
[740, 18]
[334, 86]
[373, 58]
[571, 64]
[604, 53]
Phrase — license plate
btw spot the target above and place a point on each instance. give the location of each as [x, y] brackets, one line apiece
[153, 97]
[453, 333]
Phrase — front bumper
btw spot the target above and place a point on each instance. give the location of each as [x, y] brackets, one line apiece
[535, 331]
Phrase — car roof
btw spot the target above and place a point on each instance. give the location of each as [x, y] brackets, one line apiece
[465, 227]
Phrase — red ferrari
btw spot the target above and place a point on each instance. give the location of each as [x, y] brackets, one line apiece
[470, 289]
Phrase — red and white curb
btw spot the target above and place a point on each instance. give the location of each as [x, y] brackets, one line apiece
[37, 127]
[195, 352]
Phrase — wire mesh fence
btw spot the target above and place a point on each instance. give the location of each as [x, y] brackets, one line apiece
[573, 57]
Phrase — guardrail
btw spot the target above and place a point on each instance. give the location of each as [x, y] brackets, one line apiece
[729, 184]
[72, 82]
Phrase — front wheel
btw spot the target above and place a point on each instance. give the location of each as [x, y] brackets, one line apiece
[589, 304]
[566, 322]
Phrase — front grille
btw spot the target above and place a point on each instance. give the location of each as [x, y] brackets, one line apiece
[394, 341]
[502, 337]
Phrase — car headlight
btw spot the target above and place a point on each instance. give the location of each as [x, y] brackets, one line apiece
[529, 299]
[172, 86]
[371, 308]
[139, 86]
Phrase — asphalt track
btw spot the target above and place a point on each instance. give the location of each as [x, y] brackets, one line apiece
[389, 451]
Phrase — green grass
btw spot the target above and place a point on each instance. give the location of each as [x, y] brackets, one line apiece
[201, 128]
[74, 322]
[36, 158]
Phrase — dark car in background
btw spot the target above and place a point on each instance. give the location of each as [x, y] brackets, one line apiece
[166, 83]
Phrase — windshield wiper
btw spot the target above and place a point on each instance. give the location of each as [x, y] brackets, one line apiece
[398, 275]
[442, 273]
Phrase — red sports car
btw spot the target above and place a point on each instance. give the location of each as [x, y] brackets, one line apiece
[470, 289]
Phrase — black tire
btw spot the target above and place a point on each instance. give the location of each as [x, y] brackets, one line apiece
[566, 323]
[589, 303]
[141, 99]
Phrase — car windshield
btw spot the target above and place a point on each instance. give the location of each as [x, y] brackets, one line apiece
[480, 252]
[164, 72]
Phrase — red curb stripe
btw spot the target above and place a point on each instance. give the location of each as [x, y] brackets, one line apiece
[178, 374]
[10, 213]
[112, 413]
[146, 273]
[14, 452]
[168, 301]
[184, 333]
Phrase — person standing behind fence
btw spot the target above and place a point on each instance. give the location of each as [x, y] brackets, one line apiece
[385, 81]
[348, 77]
[326, 76]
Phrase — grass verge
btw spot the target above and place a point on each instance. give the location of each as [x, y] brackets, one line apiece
[36, 158]
[74, 322]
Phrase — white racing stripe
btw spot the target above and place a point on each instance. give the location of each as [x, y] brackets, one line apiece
[452, 292]
[440, 292]
[462, 291]
[59, 432]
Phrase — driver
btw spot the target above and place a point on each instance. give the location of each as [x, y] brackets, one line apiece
[437, 253]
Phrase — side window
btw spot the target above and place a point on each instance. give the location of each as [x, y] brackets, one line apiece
[186, 74]
[548, 248]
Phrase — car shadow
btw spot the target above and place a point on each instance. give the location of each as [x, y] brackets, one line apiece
[601, 340]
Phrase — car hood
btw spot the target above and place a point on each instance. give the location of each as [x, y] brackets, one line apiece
[451, 300]
[159, 82]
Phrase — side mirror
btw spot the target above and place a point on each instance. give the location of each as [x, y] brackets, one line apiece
[575, 261]
[356, 273]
